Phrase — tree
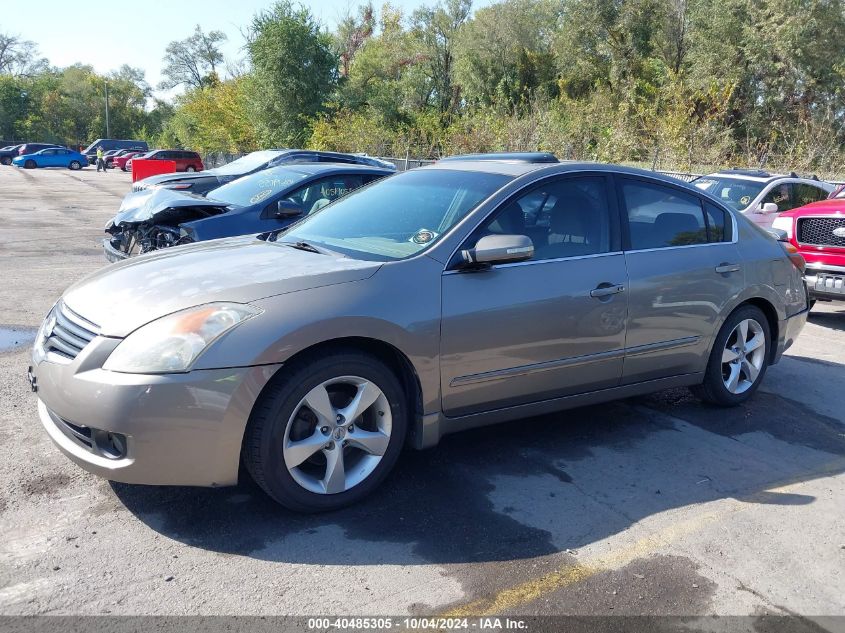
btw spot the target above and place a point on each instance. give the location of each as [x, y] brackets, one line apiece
[436, 30]
[295, 70]
[504, 55]
[352, 32]
[20, 58]
[193, 62]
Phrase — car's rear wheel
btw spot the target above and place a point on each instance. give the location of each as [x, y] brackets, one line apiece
[190, 168]
[30, 164]
[327, 432]
[6, 160]
[739, 358]
[74, 165]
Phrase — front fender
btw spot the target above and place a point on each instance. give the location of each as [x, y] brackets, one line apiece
[384, 307]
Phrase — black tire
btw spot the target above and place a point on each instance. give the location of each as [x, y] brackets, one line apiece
[30, 164]
[189, 168]
[75, 165]
[713, 389]
[262, 452]
[6, 160]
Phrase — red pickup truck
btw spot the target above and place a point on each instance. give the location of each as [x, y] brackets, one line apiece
[817, 230]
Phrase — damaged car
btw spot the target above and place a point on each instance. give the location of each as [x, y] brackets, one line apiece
[205, 181]
[268, 200]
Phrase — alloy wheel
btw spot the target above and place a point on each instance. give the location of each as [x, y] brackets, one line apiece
[744, 356]
[337, 434]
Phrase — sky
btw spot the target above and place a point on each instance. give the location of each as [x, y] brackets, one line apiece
[111, 33]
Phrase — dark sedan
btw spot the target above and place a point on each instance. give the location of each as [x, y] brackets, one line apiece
[202, 183]
[265, 201]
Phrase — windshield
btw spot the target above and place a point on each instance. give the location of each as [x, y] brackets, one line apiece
[399, 216]
[257, 187]
[246, 164]
[734, 192]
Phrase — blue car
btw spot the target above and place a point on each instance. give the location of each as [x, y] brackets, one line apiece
[267, 200]
[52, 157]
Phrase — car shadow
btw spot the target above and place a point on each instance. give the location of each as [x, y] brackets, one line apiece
[832, 320]
[525, 489]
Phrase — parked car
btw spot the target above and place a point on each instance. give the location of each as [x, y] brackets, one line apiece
[437, 300]
[120, 161]
[8, 153]
[31, 148]
[109, 144]
[209, 179]
[265, 201]
[817, 231]
[52, 157]
[185, 160]
[761, 195]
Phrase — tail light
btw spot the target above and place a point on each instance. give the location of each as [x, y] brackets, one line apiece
[794, 256]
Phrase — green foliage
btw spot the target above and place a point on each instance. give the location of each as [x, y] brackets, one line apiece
[295, 68]
[193, 62]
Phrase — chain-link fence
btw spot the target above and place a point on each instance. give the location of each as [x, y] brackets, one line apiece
[217, 159]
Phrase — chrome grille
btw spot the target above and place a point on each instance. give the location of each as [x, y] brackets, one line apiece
[67, 333]
[820, 231]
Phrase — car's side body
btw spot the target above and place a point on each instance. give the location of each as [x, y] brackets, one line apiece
[8, 153]
[52, 157]
[818, 232]
[185, 160]
[473, 346]
[121, 160]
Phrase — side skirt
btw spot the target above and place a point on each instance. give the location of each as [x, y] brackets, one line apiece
[435, 425]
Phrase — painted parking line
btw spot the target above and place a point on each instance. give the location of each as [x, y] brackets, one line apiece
[568, 575]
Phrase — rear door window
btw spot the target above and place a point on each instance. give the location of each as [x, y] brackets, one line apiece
[318, 194]
[662, 217]
[806, 193]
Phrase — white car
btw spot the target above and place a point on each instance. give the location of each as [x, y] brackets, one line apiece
[761, 195]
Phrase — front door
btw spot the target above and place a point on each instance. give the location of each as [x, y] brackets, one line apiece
[548, 327]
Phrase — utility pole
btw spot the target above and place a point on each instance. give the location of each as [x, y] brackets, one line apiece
[108, 131]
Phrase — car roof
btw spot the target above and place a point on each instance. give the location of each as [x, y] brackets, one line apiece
[318, 169]
[517, 169]
[756, 175]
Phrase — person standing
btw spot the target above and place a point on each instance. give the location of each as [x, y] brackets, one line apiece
[100, 162]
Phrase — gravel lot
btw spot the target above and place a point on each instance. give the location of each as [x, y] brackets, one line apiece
[655, 505]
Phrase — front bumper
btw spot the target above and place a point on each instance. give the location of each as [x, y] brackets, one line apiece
[112, 254]
[825, 282]
[175, 429]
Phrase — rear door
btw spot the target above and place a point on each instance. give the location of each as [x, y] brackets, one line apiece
[684, 268]
[548, 327]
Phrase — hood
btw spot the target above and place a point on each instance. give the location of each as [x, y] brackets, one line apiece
[832, 206]
[178, 176]
[124, 296]
[143, 206]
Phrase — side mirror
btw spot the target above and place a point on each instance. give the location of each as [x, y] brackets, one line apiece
[287, 209]
[499, 249]
[768, 208]
[779, 234]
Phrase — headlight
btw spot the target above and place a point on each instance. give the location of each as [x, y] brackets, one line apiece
[784, 224]
[172, 343]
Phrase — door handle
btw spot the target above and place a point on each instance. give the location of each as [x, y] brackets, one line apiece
[605, 290]
[727, 268]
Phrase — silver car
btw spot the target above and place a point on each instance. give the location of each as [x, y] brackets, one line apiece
[466, 293]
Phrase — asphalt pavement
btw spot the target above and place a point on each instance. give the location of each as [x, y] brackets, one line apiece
[652, 505]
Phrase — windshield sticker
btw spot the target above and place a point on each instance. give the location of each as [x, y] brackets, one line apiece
[261, 195]
[745, 200]
[423, 236]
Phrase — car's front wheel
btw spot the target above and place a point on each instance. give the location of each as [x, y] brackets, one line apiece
[6, 160]
[75, 165]
[739, 358]
[30, 164]
[327, 432]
